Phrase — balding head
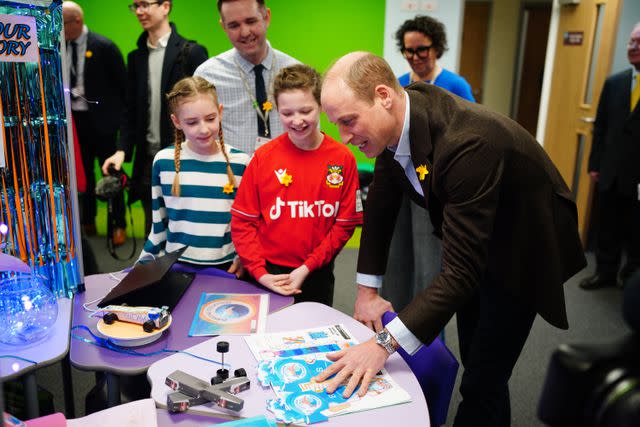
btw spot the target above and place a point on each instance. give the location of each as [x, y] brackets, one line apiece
[362, 72]
[362, 97]
[71, 7]
[73, 19]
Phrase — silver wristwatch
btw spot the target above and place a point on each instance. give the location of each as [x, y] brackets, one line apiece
[383, 338]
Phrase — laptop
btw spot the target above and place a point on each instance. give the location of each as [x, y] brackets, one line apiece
[152, 284]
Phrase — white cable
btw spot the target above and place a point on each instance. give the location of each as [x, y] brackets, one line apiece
[145, 258]
[86, 305]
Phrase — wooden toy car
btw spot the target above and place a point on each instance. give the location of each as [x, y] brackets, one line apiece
[149, 317]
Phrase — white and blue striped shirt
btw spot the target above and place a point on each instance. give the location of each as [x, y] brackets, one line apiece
[200, 217]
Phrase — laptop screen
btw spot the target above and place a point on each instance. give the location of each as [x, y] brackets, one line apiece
[151, 284]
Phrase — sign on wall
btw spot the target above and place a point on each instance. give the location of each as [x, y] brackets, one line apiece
[573, 38]
[18, 39]
[18, 43]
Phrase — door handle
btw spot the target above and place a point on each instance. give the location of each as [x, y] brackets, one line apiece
[588, 119]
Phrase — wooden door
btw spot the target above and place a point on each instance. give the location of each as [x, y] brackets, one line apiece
[536, 18]
[475, 31]
[584, 51]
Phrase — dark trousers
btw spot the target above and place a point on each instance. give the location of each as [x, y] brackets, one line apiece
[414, 255]
[144, 191]
[492, 329]
[318, 286]
[145, 199]
[95, 145]
[619, 230]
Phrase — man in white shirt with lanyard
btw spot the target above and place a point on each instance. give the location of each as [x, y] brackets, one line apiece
[243, 75]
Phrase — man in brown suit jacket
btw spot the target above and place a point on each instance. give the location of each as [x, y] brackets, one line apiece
[506, 218]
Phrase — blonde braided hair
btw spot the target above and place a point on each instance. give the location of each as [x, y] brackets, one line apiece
[179, 138]
[232, 178]
[190, 87]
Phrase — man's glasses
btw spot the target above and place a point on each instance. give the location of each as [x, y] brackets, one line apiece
[143, 5]
[421, 51]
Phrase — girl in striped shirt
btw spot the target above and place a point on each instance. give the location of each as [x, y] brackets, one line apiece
[195, 181]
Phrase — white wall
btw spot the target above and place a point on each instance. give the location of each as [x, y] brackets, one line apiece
[502, 51]
[449, 12]
[545, 94]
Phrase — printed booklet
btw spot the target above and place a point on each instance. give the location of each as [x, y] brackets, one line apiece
[288, 361]
[230, 314]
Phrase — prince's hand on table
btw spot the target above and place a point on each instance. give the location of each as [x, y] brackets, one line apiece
[370, 307]
[357, 365]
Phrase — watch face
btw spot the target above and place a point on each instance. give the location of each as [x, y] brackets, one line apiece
[382, 337]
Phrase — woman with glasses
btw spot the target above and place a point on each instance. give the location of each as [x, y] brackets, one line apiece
[422, 41]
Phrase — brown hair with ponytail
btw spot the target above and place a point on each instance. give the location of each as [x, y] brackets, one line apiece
[190, 87]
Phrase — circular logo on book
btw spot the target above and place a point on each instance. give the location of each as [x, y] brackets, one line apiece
[307, 403]
[226, 311]
[292, 371]
[378, 386]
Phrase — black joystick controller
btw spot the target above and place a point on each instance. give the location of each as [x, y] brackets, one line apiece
[223, 347]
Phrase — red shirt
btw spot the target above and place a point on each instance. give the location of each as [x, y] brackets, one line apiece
[294, 206]
[81, 177]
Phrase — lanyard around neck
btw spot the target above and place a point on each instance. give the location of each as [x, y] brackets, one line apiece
[264, 114]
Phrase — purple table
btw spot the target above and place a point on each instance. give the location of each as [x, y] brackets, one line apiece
[167, 419]
[48, 351]
[298, 316]
[92, 358]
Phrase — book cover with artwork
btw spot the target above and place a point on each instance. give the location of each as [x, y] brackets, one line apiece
[230, 314]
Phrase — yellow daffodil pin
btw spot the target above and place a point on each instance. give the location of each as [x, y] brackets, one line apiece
[228, 188]
[267, 106]
[287, 180]
[422, 172]
[88, 54]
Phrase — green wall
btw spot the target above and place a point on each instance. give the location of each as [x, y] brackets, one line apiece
[316, 33]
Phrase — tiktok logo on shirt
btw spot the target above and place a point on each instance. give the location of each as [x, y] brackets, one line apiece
[303, 209]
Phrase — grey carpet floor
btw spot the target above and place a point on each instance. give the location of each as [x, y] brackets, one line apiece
[594, 317]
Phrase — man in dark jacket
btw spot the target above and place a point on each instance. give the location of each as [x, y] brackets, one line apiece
[97, 90]
[162, 58]
[508, 225]
[613, 165]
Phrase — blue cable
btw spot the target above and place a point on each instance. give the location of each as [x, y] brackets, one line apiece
[108, 344]
[19, 358]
